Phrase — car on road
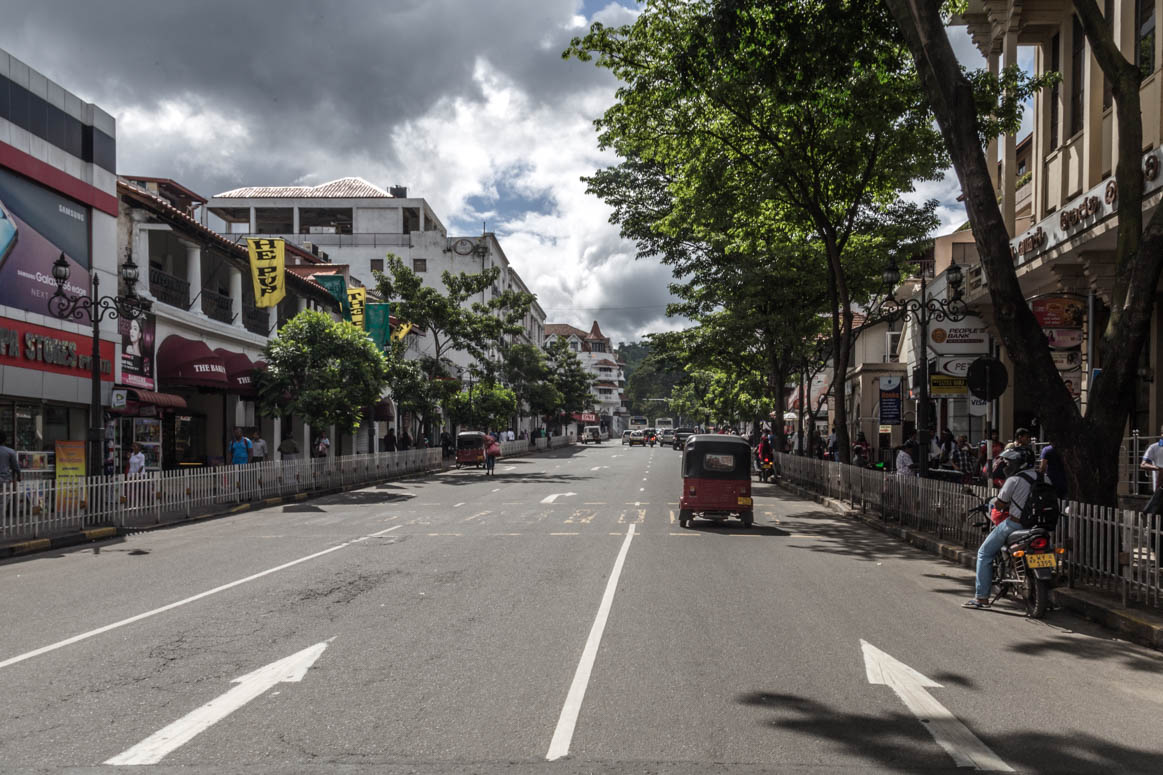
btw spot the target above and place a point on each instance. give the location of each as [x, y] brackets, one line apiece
[625, 437]
[681, 435]
[667, 436]
[638, 438]
[591, 433]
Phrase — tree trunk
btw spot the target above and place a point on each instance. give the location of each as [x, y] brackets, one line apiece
[1089, 445]
[841, 304]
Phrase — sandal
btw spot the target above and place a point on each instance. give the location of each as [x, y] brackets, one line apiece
[973, 602]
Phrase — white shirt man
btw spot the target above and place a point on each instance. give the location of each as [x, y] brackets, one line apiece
[137, 461]
[1153, 461]
[258, 450]
[904, 463]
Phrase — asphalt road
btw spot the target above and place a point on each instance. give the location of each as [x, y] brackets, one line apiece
[442, 624]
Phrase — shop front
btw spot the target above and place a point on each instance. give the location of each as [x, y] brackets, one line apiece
[45, 388]
[189, 369]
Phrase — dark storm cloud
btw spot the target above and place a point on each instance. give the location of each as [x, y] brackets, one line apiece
[298, 74]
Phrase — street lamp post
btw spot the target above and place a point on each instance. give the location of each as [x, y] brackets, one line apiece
[96, 308]
[923, 311]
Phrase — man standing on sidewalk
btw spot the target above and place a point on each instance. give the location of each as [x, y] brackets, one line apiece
[258, 448]
[9, 476]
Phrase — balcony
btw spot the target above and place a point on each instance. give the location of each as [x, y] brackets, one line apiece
[362, 240]
[217, 306]
[169, 289]
[257, 321]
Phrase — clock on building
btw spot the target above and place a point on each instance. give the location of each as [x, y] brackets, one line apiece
[463, 246]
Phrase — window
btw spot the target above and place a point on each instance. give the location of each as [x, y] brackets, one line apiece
[1145, 35]
[597, 347]
[1077, 58]
[1021, 168]
[1108, 13]
[1056, 66]
[573, 345]
[419, 265]
[377, 265]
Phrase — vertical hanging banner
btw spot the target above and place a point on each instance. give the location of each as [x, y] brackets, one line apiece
[356, 301]
[890, 400]
[402, 331]
[336, 286]
[378, 323]
[268, 270]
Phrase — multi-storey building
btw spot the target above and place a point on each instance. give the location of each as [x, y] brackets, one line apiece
[353, 222]
[596, 353]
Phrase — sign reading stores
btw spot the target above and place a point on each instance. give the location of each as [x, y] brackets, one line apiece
[35, 347]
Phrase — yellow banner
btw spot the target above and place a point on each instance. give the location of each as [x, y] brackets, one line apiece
[356, 300]
[268, 270]
[402, 331]
[70, 471]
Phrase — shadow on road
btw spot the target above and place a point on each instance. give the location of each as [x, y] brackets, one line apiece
[734, 527]
[472, 476]
[894, 740]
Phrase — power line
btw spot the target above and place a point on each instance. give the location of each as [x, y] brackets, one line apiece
[591, 309]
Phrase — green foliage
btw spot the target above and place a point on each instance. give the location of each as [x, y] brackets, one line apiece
[483, 406]
[324, 371]
[631, 355]
[999, 99]
[568, 377]
[452, 317]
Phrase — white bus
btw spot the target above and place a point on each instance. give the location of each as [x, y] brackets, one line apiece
[638, 423]
[663, 423]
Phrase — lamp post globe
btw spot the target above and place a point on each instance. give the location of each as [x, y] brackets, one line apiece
[955, 277]
[891, 276]
[60, 271]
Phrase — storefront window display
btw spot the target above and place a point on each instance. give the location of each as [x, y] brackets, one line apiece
[34, 430]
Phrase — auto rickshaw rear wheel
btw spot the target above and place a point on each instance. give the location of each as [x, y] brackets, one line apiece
[748, 519]
[685, 517]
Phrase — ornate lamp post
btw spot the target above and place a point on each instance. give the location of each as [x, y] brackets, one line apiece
[96, 307]
[922, 311]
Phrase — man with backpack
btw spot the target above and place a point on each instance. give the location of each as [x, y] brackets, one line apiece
[1027, 498]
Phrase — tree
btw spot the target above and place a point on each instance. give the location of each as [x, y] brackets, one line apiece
[967, 116]
[487, 405]
[452, 319]
[324, 371]
[811, 108]
[413, 388]
[524, 370]
[569, 378]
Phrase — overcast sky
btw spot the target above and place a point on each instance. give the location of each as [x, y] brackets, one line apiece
[466, 102]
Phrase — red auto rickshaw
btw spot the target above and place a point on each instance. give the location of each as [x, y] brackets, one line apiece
[716, 479]
[470, 449]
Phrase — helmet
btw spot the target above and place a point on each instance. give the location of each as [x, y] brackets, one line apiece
[1016, 459]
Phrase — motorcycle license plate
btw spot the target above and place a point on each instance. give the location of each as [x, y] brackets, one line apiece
[1040, 560]
[744, 501]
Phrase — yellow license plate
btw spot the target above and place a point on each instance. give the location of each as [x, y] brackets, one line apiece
[744, 501]
[1040, 560]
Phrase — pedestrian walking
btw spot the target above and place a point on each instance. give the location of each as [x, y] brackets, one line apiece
[390, 441]
[1050, 462]
[240, 449]
[134, 473]
[322, 445]
[9, 479]
[492, 452]
[258, 448]
[1153, 461]
[289, 448]
[405, 442]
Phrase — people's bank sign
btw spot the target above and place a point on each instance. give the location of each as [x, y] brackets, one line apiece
[963, 337]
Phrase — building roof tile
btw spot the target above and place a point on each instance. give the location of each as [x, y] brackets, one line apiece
[343, 188]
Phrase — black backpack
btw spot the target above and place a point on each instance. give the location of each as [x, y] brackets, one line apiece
[1041, 508]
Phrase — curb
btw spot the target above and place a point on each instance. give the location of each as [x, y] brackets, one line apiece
[1096, 608]
[59, 542]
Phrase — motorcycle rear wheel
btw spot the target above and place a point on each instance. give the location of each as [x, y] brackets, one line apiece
[1036, 594]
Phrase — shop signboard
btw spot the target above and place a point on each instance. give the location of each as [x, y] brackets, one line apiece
[890, 400]
[944, 386]
[1067, 360]
[962, 337]
[978, 407]
[1059, 311]
[138, 338]
[1061, 318]
[70, 473]
[119, 398]
[954, 367]
[1063, 338]
[29, 346]
[38, 225]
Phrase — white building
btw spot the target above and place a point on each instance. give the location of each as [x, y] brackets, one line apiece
[596, 353]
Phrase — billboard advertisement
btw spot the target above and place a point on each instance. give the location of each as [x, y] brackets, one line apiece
[138, 337]
[36, 226]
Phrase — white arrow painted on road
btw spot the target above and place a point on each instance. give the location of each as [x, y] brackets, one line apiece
[598, 468]
[250, 686]
[555, 496]
[961, 744]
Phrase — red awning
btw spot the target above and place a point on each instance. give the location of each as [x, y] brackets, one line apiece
[189, 363]
[383, 411]
[585, 417]
[239, 372]
[165, 400]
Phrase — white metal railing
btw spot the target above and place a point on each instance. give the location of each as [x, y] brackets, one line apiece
[41, 507]
[1106, 546]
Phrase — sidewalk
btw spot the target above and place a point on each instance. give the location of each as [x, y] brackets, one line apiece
[147, 519]
[1138, 625]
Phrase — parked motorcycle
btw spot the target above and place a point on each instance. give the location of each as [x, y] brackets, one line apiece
[1027, 566]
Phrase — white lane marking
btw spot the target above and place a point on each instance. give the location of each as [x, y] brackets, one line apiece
[962, 745]
[641, 489]
[475, 516]
[553, 498]
[250, 686]
[497, 490]
[184, 601]
[598, 468]
[510, 468]
[563, 734]
[457, 505]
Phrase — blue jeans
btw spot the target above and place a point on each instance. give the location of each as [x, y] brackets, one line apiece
[490, 462]
[989, 548]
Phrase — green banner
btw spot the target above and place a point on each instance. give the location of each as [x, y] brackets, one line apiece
[377, 318]
[337, 287]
